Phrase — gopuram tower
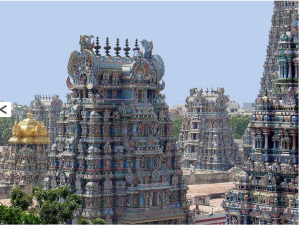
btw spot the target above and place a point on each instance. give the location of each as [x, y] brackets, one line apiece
[24, 161]
[206, 138]
[47, 109]
[114, 144]
[266, 192]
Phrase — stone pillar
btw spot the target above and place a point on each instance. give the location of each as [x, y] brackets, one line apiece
[294, 141]
[280, 71]
[254, 141]
[290, 69]
[266, 140]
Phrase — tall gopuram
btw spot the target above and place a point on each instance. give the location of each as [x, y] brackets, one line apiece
[24, 161]
[266, 192]
[206, 140]
[47, 109]
[114, 144]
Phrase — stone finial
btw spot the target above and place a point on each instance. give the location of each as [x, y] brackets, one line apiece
[107, 47]
[29, 114]
[117, 49]
[97, 47]
[136, 46]
[127, 49]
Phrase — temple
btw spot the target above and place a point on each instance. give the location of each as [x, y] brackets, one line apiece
[47, 109]
[114, 144]
[24, 161]
[206, 138]
[266, 192]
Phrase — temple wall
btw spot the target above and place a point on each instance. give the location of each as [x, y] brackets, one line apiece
[4, 191]
[208, 177]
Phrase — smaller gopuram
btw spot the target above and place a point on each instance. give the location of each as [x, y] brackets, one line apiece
[206, 138]
[46, 109]
[24, 161]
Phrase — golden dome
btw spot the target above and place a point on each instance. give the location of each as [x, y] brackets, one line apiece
[29, 131]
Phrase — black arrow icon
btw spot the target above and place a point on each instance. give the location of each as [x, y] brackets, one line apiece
[1, 109]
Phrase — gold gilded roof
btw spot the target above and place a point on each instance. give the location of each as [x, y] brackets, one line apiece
[29, 131]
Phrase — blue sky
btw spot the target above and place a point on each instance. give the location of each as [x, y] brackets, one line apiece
[203, 44]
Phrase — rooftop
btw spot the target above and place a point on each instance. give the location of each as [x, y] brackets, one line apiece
[207, 189]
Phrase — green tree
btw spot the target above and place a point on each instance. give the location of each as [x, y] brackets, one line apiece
[95, 221]
[51, 209]
[6, 124]
[177, 126]
[82, 221]
[239, 124]
[20, 199]
[14, 215]
[98, 221]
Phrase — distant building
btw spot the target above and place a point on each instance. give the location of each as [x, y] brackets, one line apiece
[177, 110]
[233, 106]
[19, 112]
[249, 106]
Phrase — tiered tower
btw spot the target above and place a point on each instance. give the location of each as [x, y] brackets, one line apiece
[24, 161]
[47, 109]
[206, 138]
[267, 191]
[114, 144]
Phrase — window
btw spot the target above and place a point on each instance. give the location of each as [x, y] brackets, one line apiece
[192, 149]
[155, 199]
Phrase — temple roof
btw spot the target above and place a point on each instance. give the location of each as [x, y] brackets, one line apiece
[29, 131]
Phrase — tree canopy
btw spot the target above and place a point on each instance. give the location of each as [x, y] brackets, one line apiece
[20, 199]
[51, 209]
[239, 124]
[54, 206]
[177, 126]
[6, 124]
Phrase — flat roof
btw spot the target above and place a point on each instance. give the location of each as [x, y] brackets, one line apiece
[209, 189]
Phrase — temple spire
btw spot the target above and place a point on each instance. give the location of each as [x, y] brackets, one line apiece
[107, 47]
[136, 46]
[126, 49]
[97, 47]
[117, 49]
